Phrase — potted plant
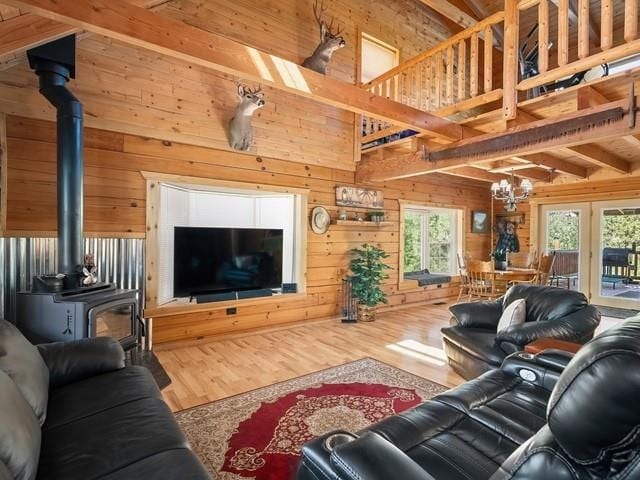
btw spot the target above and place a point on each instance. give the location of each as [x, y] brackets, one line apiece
[368, 272]
[376, 216]
[500, 259]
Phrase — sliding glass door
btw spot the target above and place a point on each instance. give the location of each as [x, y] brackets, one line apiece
[565, 232]
[615, 280]
[597, 249]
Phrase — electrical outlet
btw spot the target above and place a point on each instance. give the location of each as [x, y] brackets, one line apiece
[232, 311]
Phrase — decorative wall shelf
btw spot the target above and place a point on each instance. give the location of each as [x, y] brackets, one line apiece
[364, 223]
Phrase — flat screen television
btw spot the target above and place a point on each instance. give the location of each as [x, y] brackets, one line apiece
[219, 260]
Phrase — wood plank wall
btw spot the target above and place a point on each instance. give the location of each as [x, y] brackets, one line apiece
[115, 205]
[132, 90]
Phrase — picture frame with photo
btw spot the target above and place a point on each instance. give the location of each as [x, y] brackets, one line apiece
[480, 221]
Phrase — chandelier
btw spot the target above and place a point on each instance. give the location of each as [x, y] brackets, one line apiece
[510, 193]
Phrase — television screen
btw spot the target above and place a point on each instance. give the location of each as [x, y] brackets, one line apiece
[218, 260]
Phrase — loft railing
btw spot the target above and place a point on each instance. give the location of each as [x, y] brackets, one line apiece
[595, 45]
[465, 71]
[455, 75]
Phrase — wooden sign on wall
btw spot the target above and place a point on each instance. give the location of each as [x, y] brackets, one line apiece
[359, 197]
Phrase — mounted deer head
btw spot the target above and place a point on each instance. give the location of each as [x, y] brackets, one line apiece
[240, 129]
[330, 41]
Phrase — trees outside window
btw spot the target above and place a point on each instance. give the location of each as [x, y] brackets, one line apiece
[431, 239]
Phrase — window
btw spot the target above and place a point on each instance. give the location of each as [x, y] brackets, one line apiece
[207, 206]
[432, 238]
[376, 58]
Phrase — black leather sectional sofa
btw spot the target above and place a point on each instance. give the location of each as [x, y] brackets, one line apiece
[554, 416]
[74, 411]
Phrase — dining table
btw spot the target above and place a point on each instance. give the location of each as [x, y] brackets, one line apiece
[504, 278]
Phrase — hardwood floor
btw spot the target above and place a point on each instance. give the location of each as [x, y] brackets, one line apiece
[408, 338]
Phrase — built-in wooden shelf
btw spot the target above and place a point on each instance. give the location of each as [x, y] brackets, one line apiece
[363, 223]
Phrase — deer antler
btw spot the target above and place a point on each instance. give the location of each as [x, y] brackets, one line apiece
[247, 89]
[318, 14]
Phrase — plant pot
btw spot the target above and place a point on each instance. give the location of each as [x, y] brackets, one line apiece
[500, 265]
[366, 313]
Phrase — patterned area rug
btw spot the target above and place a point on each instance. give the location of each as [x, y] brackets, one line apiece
[258, 435]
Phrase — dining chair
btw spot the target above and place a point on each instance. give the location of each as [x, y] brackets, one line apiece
[482, 280]
[464, 279]
[545, 266]
[520, 259]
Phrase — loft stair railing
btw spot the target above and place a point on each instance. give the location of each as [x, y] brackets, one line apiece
[466, 72]
[453, 76]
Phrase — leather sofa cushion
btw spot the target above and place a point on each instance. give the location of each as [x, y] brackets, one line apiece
[19, 432]
[5, 474]
[465, 434]
[546, 303]
[109, 425]
[179, 463]
[477, 342]
[95, 394]
[23, 363]
[593, 412]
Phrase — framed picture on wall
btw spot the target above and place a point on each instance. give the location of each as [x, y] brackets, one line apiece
[479, 222]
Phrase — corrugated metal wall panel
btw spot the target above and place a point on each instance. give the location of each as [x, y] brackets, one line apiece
[118, 260]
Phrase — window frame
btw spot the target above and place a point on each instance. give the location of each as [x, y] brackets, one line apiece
[370, 38]
[457, 240]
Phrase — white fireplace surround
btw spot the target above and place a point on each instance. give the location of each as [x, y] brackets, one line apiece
[206, 206]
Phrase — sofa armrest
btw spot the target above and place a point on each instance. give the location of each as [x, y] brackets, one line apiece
[543, 369]
[78, 359]
[372, 457]
[554, 359]
[477, 314]
[577, 327]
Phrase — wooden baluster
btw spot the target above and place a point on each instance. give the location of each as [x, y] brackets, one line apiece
[543, 36]
[462, 70]
[563, 32]
[583, 28]
[428, 73]
[449, 67]
[630, 20]
[488, 59]
[383, 89]
[510, 61]
[438, 80]
[420, 86]
[412, 86]
[606, 24]
[395, 87]
[473, 60]
[403, 88]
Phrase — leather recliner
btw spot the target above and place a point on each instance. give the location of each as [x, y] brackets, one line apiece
[583, 412]
[474, 346]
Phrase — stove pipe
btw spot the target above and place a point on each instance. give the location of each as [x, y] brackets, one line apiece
[54, 63]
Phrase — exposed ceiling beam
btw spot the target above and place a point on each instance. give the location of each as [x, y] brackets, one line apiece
[599, 156]
[28, 31]
[413, 164]
[474, 174]
[588, 96]
[450, 11]
[557, 164]
[534, 173]
[142, 28]
[589, 153]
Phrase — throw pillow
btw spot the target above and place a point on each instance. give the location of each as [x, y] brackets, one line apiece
[20, 433]
[514, 314]
[22, 361]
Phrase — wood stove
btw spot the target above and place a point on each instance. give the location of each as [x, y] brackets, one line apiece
[59, 307]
